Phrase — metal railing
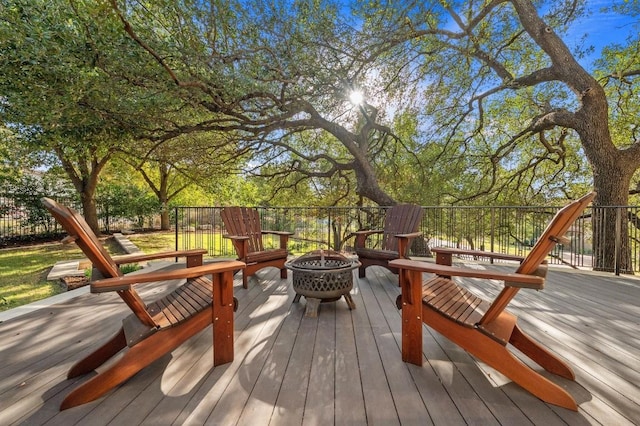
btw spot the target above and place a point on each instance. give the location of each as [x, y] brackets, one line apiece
[24, 219]
[511, 230]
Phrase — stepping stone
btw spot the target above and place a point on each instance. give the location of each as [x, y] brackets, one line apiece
[66, 268]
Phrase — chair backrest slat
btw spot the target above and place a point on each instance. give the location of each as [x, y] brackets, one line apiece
[244, 221]
[556, 228]
[86, 239]
[400, 219]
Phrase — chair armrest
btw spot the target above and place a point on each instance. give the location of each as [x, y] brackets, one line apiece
[410, 235]
[276, 232]
[444, 255]
[361, 236]
[134, 258]
[124, 282]
[236, 237]
[510, 279]
[403, 242]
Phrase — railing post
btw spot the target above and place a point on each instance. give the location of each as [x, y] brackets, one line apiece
[329, 228]
[618, 239]
[493, 224]
[176, 226]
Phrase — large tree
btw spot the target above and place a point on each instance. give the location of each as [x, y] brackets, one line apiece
[70, 82]
[50, 88]
[498, 100]
[54, 95]
[505, 57]
[274, 74]
[172, 166]
[286, 70]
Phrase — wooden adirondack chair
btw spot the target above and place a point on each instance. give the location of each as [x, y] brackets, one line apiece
[485, 329]
[401, 220]
[243, 228]
[153, 329]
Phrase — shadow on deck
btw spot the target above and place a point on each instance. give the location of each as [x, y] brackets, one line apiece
[343, 367]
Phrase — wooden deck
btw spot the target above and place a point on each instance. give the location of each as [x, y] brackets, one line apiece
[343, 367]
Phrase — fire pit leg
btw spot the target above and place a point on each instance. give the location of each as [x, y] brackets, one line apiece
[312, 307]
[297, 298]
[350, 302]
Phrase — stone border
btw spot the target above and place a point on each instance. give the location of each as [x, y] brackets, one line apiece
[126, 245]
[71, 268]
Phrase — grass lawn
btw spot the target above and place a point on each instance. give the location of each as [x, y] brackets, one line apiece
[23, 271]
[154, 242]
[165, 241]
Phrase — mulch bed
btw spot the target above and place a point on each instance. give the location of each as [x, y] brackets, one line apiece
[71, 283]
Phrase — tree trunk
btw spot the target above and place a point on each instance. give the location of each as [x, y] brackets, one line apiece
[613, 170]
[90, 212]
[610, 221]
[613, 167]
[84, 176]
[367, 185]
[165, 225]
[163, 196]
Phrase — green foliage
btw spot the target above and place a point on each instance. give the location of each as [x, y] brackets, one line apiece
[10, 170]
[241, 89]
[26, 190]
[130, 267]
[128, 201]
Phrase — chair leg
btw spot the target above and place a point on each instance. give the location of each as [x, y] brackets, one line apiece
[505, 362]
[540, 355]
[96, 358]
[283, 273]
[137, 358]
[245, 279]
[410, 301]
[362, 271]
[498, 356]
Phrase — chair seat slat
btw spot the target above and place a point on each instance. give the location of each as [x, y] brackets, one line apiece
[189, 299]
[457, 303]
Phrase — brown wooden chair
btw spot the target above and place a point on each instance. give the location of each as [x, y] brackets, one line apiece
[401, 220]
[483, 328]
[243, 228]
[153, 329]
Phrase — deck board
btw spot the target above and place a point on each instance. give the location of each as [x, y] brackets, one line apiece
[349, 397]
[343, 367]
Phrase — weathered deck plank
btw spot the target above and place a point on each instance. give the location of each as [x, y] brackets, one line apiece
[349, 397]
[409, 404]
[343, 367]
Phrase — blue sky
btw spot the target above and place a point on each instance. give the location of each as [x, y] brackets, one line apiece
[602, 28]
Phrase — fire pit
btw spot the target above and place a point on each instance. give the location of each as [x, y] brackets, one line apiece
[322, 276]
